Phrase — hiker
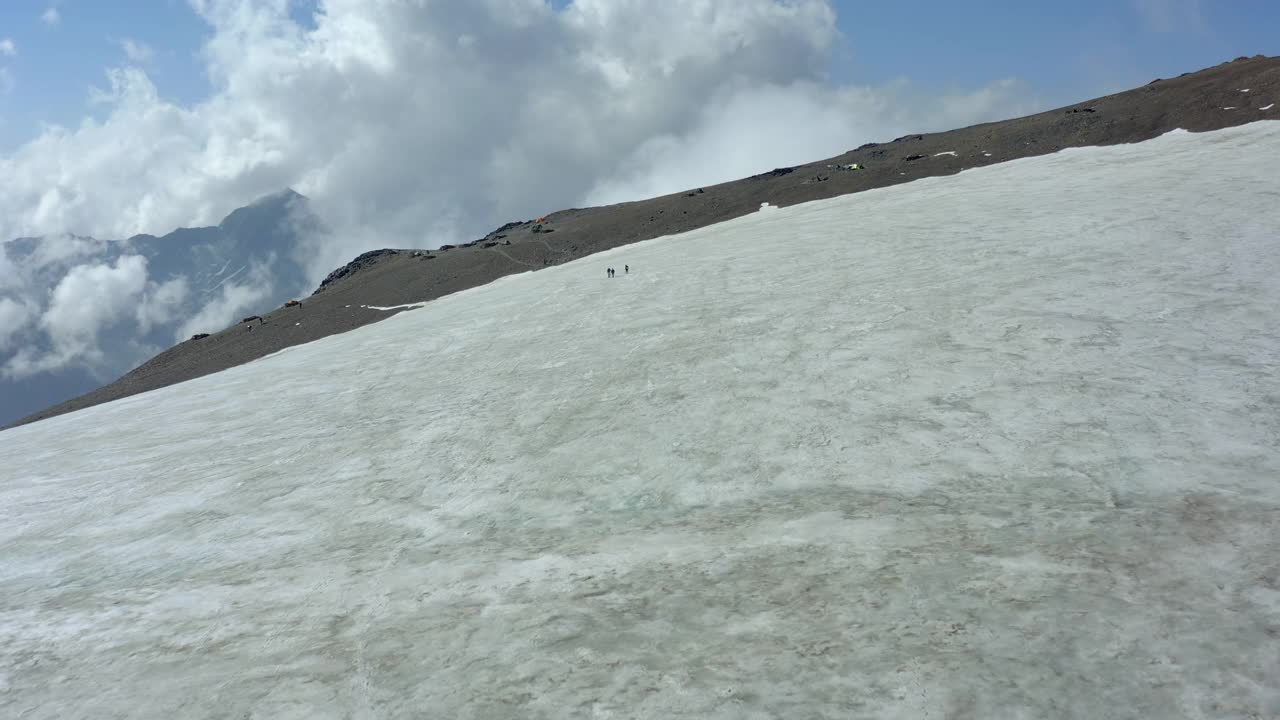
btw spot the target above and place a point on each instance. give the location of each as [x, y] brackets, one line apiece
[626, 269]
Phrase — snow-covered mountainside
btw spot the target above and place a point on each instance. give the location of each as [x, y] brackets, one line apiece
[76, 312]
[1001, 444]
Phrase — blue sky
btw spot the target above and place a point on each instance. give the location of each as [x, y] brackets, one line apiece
[1063, 51]
[57, 62]
[61, 55]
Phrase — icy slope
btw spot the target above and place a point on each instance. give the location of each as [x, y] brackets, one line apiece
[998, 445]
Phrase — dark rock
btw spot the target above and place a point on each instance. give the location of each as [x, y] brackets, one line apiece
[695, 193]
[199, 336]
[511, 226]
[361, 262]
[251, 318]
[1079, 110]
[913, 157]
[491, 244]
[864, 146]
[447, 247]
[908, 138]
[776, 172]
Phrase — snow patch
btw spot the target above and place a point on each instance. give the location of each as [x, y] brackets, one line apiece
[1268, 107]
[952, 153]
[225, 265]
[407, 306]
[226, 279]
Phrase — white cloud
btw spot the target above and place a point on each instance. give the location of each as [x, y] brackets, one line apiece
[7, 48]
[15, 316]
[410, 135]
[7, 83]
[416, 124]
[1166, 16]
[51, 16]
[138, 52]
[162, 302]
[91, 295]
[62, 250]
[88, 299]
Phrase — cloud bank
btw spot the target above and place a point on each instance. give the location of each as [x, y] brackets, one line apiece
[417, 124]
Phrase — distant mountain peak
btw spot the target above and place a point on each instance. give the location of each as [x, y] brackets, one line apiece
[273, 206]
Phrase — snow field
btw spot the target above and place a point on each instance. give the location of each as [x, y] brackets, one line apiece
[995, 445]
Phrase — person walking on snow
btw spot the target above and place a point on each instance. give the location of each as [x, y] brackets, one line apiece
[626, 269]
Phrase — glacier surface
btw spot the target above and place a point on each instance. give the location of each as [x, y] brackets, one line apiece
[995, 445]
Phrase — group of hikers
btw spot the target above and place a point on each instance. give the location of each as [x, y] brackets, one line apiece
[613, 273]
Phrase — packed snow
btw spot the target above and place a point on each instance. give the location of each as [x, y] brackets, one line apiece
[996, 445]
